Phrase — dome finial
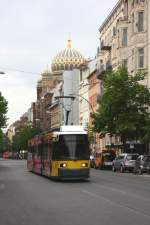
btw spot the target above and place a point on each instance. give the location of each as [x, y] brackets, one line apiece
[69, 41]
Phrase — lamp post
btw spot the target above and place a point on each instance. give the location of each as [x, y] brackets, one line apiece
[73, 95]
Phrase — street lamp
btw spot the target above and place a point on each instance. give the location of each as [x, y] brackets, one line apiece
[78, 95]
[73, 96]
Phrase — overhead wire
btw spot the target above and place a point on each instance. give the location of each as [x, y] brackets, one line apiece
[74, 80]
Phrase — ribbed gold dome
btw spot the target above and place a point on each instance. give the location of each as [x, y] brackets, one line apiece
[67, 59]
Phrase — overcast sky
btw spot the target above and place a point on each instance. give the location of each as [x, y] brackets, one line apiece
[31, 34]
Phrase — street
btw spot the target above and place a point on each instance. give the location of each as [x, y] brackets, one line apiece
[107, 198]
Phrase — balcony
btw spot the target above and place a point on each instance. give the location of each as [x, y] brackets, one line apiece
[105, 47]
[102, 69]
[123, 19]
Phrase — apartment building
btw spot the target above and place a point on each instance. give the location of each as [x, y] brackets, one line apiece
[124, 40]
[84, 108]
[124, 37]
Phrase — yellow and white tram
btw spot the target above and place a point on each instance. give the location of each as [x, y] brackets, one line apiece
[60, 154]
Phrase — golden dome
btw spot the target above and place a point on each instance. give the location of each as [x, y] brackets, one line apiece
[67, 59]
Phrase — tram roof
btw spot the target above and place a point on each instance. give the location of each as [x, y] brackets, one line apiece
[71, 130]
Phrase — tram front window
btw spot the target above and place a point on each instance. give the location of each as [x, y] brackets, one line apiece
[71, 147]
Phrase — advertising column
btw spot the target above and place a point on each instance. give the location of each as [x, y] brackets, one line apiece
[71, 105]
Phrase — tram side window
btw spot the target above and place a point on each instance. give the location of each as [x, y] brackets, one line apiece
[45, 154]
[35, 152]
[50, 150]
[39, 151]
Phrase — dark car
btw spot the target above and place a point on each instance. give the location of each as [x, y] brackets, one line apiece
[142, 164]
[124, 162]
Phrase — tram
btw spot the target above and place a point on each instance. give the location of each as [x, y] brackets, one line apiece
[60, 154]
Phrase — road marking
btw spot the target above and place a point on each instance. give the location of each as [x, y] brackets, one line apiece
[90, 193]
[115, 203]
[124, 193]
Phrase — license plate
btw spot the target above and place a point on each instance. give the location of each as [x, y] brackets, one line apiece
[107, 163]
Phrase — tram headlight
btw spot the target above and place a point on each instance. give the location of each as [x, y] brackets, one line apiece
[64, 165]
[84, 164]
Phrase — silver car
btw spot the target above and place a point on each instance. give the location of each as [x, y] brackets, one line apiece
[142, 164]
[124, 162]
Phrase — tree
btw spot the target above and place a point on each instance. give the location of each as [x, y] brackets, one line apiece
[5, 144]
[123, 107]
[3, 111]
[20, 140]
[90, 132]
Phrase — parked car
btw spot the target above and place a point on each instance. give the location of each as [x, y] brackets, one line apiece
[142, 164]
[107, 159]
[124, 162]
[104, 159]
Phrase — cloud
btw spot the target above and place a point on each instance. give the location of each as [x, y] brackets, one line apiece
[33, 31]
[19, 100]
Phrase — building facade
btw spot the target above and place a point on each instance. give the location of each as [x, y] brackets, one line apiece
[84, 108]
[124, 37]
[45, 86]
[124, 40]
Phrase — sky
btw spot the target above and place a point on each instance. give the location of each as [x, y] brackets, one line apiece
[32, 32]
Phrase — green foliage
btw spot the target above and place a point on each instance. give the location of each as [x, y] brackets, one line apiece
[4, 142]
[3, 111]
[90, 133]
[20, 140]
[123, 107]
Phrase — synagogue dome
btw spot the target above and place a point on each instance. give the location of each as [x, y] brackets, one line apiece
[67, 59]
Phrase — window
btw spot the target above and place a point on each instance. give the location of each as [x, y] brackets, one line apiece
[146, 158]
[131, 157]
[140, 57]
[114, 31]
[132, 55]
[124, 36]
[140, 25]
[102, 43]
[121, 157]
[81, 75]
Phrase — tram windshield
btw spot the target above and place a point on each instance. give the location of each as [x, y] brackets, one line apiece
[71, 147]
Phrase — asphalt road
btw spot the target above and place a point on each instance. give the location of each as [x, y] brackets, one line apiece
[106, 199]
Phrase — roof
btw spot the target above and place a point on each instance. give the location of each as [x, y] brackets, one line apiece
[67, 59]
[110, 15]
[74, 129]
